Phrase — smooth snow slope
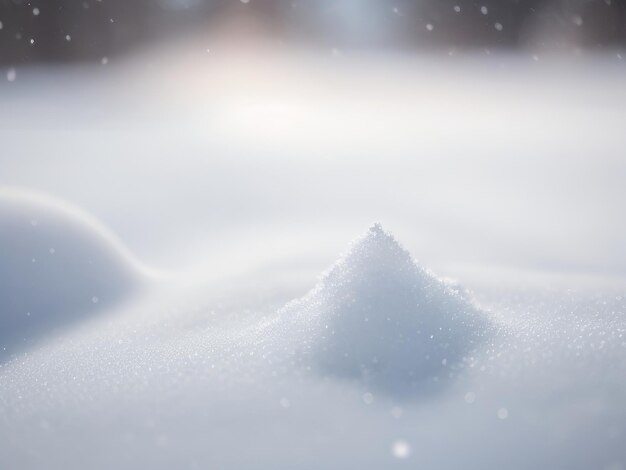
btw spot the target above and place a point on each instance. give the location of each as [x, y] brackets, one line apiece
[57, 263]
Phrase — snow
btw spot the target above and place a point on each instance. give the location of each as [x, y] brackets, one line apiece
[228, 174]
[379, 317]
[178, 378]
[59, 284]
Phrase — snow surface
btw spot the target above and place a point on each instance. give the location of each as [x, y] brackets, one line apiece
[379, 317]
[183, 380]
[504, 173]
[57, 264]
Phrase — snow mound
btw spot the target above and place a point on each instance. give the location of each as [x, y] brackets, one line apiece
[377, 316]
[56, 264]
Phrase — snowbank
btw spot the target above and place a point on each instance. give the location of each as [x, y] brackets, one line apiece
[56, 264]
[183, 380]
[377, 316]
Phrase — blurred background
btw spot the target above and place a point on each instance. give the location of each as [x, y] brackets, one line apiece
[69, 30]
[244, 134]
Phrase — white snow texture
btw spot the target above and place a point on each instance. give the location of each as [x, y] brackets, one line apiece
[377, 316]
[57, 263]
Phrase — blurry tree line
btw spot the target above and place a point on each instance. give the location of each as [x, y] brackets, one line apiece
[57, 30]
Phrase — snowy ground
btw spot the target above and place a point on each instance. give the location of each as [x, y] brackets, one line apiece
[237, 179]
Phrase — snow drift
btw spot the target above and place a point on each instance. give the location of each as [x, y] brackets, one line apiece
[56, 263]
[379, 317]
